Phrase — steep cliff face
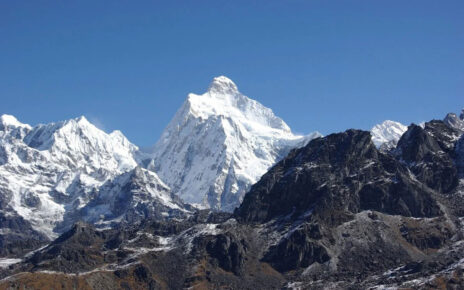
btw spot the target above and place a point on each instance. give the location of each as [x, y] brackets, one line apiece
[430, 154]
[218, 144]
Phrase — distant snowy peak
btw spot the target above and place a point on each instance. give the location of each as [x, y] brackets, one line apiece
[12, 129]
[44, 136]
[9, 121]
[87, 144]
[454, 121]
[218, 144]
[387, 133]
[49, 170]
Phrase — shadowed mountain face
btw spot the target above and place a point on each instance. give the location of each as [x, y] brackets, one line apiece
[430, 154]
[336, 177]
[337, 213]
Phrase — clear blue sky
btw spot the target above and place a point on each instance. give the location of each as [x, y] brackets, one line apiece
[320, 65]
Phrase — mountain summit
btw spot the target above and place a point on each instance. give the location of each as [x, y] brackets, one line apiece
[218, 144]
[224, 85]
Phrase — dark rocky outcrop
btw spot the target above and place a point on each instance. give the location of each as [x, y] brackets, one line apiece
[296, 251]
[429, 153]
[79, 249]
[18, 237]
[328, 184]
[337, 176]
[229, 253]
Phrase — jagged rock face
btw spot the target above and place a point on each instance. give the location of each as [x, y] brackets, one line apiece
[337, 176]
[229, 253]
[430, 153]
[460, 156]
[56, 174]
[299, 250]
[77, 249]
[17, 236]
[218, 144]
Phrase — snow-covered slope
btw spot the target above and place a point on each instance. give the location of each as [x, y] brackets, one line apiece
[49, 172]
[387, 134]
[218, 144]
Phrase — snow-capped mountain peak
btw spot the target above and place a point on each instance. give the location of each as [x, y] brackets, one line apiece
[218, 144]
[9, 121]
[387, 133]
[85, 143]
[223, 85]
[224, 99]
